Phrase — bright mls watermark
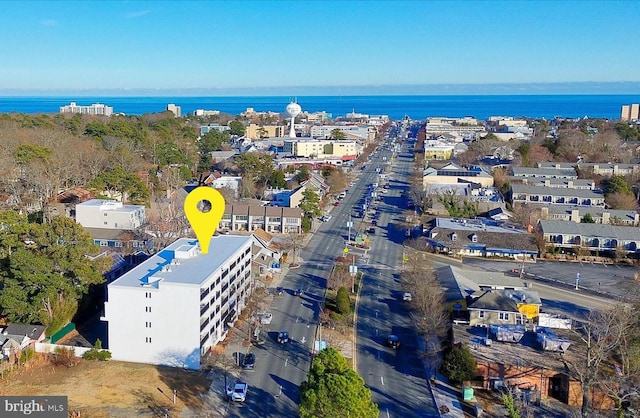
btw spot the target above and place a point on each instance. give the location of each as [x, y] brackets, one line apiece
[34, 406]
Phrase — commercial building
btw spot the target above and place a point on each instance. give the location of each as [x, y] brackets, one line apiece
[94, 109]
[453, 174]
[320, 148]
[171, 309]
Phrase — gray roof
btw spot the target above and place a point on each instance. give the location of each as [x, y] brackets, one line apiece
[192, 270]
[555, 191]
[540, 181]
[459, 283]
[505, 300]
[544, 172]
[627, 233]
[32, 331]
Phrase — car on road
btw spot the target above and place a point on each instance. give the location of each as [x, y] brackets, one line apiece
[249, 361]
[283, 337]
[326, 218]
[406, 297]
[238, 393]
[372, 230]
[393, 341]
[279, 291]
[336, 203]
[299, 292]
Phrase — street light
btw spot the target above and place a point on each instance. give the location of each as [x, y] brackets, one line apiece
[349, 225]
[353, 270]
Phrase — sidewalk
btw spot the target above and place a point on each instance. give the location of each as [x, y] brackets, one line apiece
[445, 396]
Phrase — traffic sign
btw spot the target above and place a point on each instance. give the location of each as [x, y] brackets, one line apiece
[346, 250]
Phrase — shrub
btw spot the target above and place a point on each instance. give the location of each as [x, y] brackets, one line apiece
[459, 364]
[343, 304]
[97, 353]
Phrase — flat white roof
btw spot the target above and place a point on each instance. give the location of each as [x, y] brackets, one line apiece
[169, 267]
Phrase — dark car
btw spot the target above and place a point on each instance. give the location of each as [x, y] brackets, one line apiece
[393, 341]
[371, 230]
[283, 337]
[374, 221]
[249, 361]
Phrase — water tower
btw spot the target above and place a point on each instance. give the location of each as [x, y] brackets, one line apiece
[293, 109]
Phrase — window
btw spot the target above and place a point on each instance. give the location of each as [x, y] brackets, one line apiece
[503, 316]
[480, 314]
[147, 295]
[147, 309]
[147, 340]
[105, 214]
[147, 324]
[105, 222]
[242, 218]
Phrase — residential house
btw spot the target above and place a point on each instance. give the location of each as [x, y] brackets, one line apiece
[241, 217]
[593, 237]
[266, 254]
[504, 307]
[171, 309]
[16, 337]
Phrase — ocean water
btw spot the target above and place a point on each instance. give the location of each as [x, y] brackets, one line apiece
[396, 107]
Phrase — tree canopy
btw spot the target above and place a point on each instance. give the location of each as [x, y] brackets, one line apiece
[44, 270]
[310, 204]
[333, 389]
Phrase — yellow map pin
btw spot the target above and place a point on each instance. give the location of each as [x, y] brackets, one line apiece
[204, 207]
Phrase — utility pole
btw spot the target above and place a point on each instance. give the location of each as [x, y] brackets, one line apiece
[353, 271]
[349, 225]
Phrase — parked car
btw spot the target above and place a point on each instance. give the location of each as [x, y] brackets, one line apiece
[406, 297]
[238, 393]
[372, 230]
[279, 290]
[249, 361]
[283, 337]
[299, 292]
[336, 203]
[393, 341]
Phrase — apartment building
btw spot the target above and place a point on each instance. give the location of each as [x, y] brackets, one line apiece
[594, 237]
[556, 195]
[94, 109]
[109, 214]
[630, 112]
[352, 132]
[269, 218]
[255, 132]
[453, 174]
[176, 110]
[171, 309]
[320, 148]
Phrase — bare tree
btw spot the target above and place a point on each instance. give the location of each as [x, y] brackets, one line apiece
[601, 335]
[427, 299]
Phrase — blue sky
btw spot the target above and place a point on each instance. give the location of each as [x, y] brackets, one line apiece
[264, 45]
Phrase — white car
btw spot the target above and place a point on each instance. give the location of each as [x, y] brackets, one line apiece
[239, 392]
[406, 297]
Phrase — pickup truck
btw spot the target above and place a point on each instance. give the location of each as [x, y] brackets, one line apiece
[238, 393]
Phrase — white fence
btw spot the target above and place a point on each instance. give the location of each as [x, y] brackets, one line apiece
[51, 348]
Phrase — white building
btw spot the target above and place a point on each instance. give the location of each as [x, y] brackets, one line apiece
[176, 110]
[171, 309]
[109, 214]
[94, 109]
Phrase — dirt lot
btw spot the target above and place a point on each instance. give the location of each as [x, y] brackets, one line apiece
[113, 389]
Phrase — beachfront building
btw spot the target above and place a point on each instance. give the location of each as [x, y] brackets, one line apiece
[94, 109]
[176, 110]
[630, 112]
[171, 309]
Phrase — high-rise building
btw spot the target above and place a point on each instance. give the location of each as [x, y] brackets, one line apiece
[630, 112]
[176, 110]
[171, 309]
[94, 109]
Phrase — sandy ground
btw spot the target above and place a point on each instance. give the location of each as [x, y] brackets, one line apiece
[112, 388]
